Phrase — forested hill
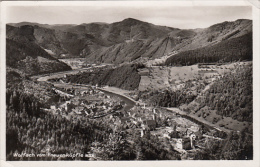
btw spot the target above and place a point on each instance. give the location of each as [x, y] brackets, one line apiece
[23, 53]
[125, 77]
[125, 41]
[232, 95]
[229, 50]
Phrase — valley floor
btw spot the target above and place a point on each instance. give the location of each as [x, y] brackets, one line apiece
[168, 129]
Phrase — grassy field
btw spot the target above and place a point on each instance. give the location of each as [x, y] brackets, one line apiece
[161, 77]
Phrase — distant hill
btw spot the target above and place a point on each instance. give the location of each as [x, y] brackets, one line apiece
[122, 31]
[24, 53]
[228, 50]
[127, 40]
[87, 39]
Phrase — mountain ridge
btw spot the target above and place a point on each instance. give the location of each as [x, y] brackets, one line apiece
[25, 54]
[127, 40]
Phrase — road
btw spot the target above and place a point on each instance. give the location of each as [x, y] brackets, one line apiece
[44, 78]
[128, 100]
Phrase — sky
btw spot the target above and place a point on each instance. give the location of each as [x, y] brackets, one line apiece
[184, 17]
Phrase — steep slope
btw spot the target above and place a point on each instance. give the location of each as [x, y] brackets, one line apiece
[234, 49]
[119, 32]
[82, 40]
[132, 50]
[24, 54]
[215, 34]
[176, 40]
[125, 77]
[129, 39]
[60, 43]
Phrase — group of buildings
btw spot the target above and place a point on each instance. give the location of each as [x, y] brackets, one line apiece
[88, 102]
[149, 121]
[92, 103]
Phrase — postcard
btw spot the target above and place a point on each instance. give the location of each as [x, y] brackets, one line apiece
[112, 83]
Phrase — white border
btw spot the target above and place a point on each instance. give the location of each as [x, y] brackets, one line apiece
[256, 83]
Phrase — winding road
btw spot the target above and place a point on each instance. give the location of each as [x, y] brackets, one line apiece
[44, 78]
[128, 100]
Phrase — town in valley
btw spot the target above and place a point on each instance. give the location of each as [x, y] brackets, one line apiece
[129, 90]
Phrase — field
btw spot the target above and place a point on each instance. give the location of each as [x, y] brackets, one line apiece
[160, 77]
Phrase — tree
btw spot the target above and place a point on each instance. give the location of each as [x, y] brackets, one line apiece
[12, 140]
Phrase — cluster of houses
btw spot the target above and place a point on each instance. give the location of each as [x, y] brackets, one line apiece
[146, 122]
[183, 137]
[83, 91]
[144, 119]
[131, 119]
[87, 102]
[188, 141]
[81, 106]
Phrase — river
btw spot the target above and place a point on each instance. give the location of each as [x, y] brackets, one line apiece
[130, 103]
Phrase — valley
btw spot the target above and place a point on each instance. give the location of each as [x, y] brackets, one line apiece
[130, 90]
[177, 78]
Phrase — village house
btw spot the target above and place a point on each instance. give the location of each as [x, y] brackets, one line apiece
[141, 119]
[149, 124]
[144, 132]
[186, 143]
[53, 107]
[91, 106]
[175, 134]
[124, 120]
[166, 135]
[196, 131]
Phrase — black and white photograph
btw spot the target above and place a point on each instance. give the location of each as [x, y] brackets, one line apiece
[143, 81]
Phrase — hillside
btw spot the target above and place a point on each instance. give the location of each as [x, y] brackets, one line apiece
[177, 40]
[24, 54]
[228, 102]
[57, 42]
[125, 77]
[223, 95]
[119, 32]
[228, 50]
[82, 40]
[215, 34]
[127, 40]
